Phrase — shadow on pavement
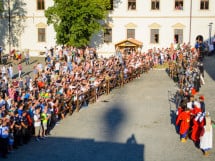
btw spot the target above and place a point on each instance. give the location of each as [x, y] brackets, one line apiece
[172, 109]
[74, 149]
[209, 63]
[26, 73]
[113, 119]
[33, 62]
[86, 149]
[131, 140]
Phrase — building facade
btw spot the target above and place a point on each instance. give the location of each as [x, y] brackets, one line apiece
[156, 23]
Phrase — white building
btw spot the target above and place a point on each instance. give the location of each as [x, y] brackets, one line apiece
[156, 23]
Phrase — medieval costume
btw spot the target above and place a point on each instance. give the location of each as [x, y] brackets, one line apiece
[184, 121]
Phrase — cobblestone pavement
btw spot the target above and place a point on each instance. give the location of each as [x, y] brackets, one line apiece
[133, 123]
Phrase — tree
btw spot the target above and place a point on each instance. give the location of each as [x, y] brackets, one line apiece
[75, 21]
[1, 6]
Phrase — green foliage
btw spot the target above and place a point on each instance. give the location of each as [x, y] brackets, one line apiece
[1, 6]
[75, 21]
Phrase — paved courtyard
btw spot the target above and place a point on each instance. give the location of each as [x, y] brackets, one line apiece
[133, 123]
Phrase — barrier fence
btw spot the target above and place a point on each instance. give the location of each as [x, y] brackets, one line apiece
[77, 101]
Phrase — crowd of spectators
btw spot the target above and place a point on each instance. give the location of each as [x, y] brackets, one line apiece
[31, 105]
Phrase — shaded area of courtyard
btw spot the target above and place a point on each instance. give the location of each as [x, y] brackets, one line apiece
[67, 149]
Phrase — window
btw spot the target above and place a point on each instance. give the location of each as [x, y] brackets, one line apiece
[110, 7]
[40, 5]
[41, 34]
[179, 4]
[154, 36]
[178, 36]
[204, 4]
[131, 33]
[131, 4]
[108, 35]
[155, 4]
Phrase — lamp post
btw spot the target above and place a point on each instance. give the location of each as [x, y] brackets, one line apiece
[190, 26]
[9, 27]
[210, 28]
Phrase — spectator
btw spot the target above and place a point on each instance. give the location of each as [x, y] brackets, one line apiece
[4, 133]
[214, 44]
[19, 69]
[3, 70]
[17, 129]
[46, 53]
[25, 131]
[27, 57]
[1, 49]
[44, 119]
[10, 71]
[37, 124]
[202, 103]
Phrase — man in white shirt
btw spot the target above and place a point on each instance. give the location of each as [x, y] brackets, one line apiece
[57, 67]
[46, 53]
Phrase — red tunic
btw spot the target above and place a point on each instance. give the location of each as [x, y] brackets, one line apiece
[184, 121]
[179, 111]
[196, 130]
[194, 112]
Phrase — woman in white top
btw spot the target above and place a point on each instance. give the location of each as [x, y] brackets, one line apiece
[206, 139]
[30, 85]
[3, 70]
[37, 123]
[10, 71]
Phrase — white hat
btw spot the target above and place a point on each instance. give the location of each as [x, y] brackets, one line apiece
[197, 104]
[189, 105]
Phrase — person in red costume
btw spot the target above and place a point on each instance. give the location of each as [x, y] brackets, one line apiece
[198, 123]
[179, 110]
[183, 121]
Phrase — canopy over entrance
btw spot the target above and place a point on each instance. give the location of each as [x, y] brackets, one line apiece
[129, 43]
